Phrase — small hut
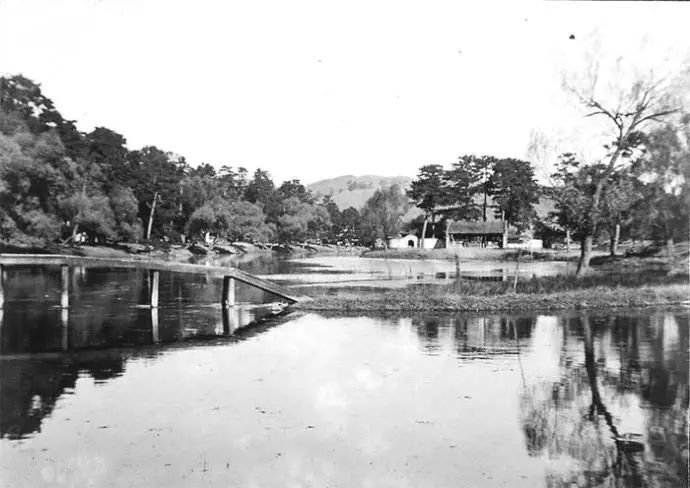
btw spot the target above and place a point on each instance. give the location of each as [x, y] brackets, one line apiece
[403, 242]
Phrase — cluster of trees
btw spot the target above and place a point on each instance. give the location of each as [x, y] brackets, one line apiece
[58, 184]
[638, 190]
[472, 186]
[640, 186]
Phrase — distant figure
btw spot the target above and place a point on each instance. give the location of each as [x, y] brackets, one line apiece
[572, 36]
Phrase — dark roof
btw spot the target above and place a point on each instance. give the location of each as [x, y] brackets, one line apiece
[467, 227]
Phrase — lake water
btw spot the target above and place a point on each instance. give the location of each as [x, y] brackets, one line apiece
[317, 273]
[108, 394]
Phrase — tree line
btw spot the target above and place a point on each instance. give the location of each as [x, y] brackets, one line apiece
[58, 184]
[473, 186]
[645, 197]
[639, 189]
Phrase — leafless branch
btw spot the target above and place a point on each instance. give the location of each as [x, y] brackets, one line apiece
[600, 110]
[655, 116]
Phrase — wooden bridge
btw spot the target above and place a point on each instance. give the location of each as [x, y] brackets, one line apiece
[154, 267]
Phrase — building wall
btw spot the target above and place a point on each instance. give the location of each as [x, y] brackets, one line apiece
[429, 243]
[403, 242]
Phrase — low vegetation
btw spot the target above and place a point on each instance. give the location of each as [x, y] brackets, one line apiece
[632, 289]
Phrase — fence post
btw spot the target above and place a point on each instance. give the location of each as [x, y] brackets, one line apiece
[64, 296]
[2, 286]
[228, 299]
[153, 283]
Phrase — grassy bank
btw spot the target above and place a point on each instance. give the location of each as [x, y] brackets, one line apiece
[551, 293]
[600, 297]
[474, 254]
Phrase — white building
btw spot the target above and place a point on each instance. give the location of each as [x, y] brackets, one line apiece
[403, 242]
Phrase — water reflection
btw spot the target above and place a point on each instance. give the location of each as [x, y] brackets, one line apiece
[331, 273]
[108, 308]
[612, 410]
[423, 400]
[44, 348]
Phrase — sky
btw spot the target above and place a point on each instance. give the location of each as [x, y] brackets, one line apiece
[318, 89]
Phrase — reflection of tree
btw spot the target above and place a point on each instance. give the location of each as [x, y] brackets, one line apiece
[29, 388]
[46, 355]
[576, 422]
[625, 464]
[427, 330]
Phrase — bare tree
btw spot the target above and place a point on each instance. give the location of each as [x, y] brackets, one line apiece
[647, 99]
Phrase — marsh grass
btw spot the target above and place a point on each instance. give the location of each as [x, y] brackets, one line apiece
[561, 283]
[631, 290]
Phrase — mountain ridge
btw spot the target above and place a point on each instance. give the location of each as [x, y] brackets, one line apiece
[353, 191]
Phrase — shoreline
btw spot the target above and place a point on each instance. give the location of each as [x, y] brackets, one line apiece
[177, 252]
[476, 254]
[600, 297]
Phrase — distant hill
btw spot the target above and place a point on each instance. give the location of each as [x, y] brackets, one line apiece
[353, 191]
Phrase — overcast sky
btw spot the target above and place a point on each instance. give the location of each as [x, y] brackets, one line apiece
[318, 89]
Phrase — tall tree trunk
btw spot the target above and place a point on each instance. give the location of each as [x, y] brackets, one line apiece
[421, 242]
[615, 237]
[567, 240]
[484, 216]
[586, 250]
[504, 243]
[585, 255]
[447, 233]
[153, 209]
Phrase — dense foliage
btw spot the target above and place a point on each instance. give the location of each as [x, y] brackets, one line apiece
[58, 184]
[471, 186]
[61, 185]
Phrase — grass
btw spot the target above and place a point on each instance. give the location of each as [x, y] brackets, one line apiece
[473, 254]
[549, 293]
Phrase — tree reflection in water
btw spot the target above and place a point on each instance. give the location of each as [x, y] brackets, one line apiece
[615, 414]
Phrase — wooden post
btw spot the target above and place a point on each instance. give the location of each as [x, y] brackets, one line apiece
[231, 320]
[154, 325]
[153, 290]
[2, 287]
[64, 296]
[228, 299]
[64, 321]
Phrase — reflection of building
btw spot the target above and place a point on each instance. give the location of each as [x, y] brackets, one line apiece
[471, 334]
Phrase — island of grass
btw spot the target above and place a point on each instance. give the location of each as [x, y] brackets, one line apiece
[623, 288]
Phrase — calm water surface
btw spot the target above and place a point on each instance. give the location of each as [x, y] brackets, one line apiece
[333, 273]
[111, 396]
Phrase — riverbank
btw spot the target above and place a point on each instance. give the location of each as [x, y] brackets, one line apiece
[644, 255]
[178, 252]
[475, 254]
[416, 300]
[622, 289]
